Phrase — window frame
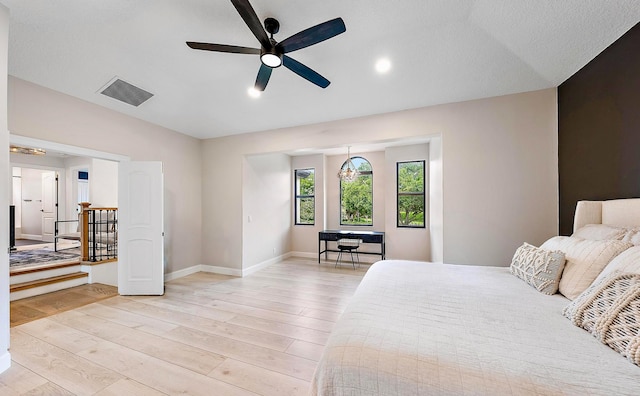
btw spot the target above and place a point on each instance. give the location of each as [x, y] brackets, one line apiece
[297, 197]
[368, 173]
[423, 194]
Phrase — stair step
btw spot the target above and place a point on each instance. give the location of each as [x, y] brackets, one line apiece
[47, 281]
[29, 275]
[40, 268]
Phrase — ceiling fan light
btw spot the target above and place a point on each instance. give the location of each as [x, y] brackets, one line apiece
[254, 93]
[271, 60]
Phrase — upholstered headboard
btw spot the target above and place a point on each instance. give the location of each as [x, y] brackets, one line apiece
[616, 212]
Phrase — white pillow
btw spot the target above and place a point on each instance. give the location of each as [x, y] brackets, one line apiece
[598, 232]
[585, 261]
[538, 267]
[627, 261]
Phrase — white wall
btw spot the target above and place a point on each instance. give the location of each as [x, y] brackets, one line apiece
[499, 163]
[5, 172]
[41, 113]
[436, 201]
[103, 184]
[72, 166]
[39, 161]
[266, 203]
[405, 243]
[16, 198]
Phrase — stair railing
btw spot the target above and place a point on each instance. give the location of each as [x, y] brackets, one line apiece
[99, 236]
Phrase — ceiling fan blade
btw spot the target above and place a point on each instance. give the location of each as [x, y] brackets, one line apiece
[304, 72]
[313, 35]
[263, 77]
[251, 19]
[223, 48]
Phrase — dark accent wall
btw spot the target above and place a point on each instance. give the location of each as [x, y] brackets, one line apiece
[599, 129]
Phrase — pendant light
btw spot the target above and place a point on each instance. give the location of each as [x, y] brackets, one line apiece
[348, 172]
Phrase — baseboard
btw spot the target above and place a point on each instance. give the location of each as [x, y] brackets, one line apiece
[264, 264]
[225, 270]
[304, 255]
[201, 268]
[5, 360]
[31, 237]
[183, 272]
[221, 270]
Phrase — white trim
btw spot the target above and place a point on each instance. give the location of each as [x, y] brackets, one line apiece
[225, 270]
[304, 255]
[221, 270]
[65, 148]
[33, 237]
[5, 361]
[183, 272]
[264, 264]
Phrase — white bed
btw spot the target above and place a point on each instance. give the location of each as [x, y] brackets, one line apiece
[416, 328]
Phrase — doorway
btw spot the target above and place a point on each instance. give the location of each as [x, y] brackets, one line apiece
[35, 197]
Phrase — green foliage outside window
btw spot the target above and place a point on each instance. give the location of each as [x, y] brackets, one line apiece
[305, 196]
[356, 197]
[411, 194]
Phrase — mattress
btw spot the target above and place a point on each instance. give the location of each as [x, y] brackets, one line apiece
[416, 328]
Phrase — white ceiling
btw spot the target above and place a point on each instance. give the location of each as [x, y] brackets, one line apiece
[442, 51]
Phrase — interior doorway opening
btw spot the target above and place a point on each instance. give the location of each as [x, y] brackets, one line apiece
[50, 186]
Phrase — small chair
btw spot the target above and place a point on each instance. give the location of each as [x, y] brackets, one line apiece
[349, 244]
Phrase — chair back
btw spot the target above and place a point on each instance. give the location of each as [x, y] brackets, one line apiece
[349, 242]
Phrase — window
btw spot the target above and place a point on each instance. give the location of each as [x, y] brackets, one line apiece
[356, 197]
[411, 200]
[305, 196]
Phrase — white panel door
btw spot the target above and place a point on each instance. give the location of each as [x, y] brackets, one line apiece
[140, 228]
[49, 202]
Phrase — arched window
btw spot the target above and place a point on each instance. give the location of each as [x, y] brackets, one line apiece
[356, 197]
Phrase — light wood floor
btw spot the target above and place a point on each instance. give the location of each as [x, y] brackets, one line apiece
[37, 307]
[208, 335]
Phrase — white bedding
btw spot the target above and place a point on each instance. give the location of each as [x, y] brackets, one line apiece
[415, 328]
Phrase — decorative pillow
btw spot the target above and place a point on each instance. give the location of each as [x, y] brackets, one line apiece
[585, 261]
[589, 306]
[627, 261]
[619, 326]
[599, 232]
[633, 236]
[538, 267]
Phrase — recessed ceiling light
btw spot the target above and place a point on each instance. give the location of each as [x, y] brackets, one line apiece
[254, 93]
[383, 65]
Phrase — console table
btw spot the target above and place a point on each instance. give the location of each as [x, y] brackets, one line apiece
[366, 237]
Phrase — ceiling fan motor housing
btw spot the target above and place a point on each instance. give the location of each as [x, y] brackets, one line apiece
[272, 26]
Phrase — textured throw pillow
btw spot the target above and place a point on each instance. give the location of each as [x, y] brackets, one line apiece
[633, 236]
[610, 310]
[585, 261]
[627, 261]
[599, 232]
[538, 267]
[589, 306]
[619, 326]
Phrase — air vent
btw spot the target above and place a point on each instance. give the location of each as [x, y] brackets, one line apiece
[125, 92]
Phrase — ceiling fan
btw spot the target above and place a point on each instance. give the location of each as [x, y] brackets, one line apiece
[272, 53]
